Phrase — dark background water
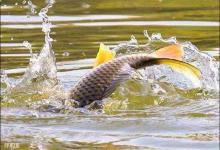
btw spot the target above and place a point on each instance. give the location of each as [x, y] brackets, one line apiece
[81, 25]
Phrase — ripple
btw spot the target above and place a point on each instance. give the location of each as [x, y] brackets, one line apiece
[26, 26]
[150, 23]
[61, 66]
[12, 45]
[15, 55]
[25, 19]
[214, 52]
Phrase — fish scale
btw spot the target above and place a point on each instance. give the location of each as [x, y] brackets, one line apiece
[102, 81]
[94, 84]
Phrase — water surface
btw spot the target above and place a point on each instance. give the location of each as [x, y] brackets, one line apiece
[133, 120]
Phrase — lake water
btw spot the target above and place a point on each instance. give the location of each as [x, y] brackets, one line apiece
[136, 116]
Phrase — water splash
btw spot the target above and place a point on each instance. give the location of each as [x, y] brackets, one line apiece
[207, 64]
[42, 71]
[158, 37]
[5, 80]
[131, 46]
[28, 46]
[31, 7]
[43, 65]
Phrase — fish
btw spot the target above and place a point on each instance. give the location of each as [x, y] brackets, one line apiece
[110, 71]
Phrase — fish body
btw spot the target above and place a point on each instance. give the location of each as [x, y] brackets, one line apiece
[103, 79]
[99, 83]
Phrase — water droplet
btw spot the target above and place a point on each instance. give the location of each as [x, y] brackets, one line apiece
[32, 7]
[85, 5]
[28, 46]
[24, 2]
[133, 40]
[84, 54]
[66, 54]
[172, 40]
[5, 79]
[156, 36]
[147, 35]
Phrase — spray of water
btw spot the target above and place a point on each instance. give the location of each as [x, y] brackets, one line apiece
[44, 64]
[160, 84]
[41, 74]
[207, 64]
[31, 7]
[42, 71]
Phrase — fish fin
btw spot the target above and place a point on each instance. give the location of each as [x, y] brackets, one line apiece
[186, 69]
[174, 51]
[124, 75]
[104, 55]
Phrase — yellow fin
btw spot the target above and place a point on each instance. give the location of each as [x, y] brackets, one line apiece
[104, 55]
[174, 51]
[186, 69]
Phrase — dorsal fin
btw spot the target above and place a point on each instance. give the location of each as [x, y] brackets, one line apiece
[174, 51]
[104, 55]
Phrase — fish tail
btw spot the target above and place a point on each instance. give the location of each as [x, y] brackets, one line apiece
[186, 69]
[174, 51]
[177, 65]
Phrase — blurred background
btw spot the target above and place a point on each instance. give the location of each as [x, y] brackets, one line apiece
[80, 25]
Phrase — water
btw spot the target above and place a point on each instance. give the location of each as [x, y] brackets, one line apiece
[160, 112]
